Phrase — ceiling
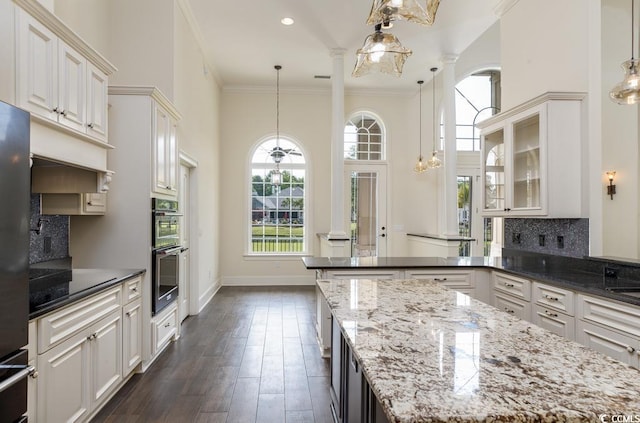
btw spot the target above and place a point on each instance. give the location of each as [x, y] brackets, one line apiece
[243, 40]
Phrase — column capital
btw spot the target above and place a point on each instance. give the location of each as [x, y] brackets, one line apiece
[449, 59]
[337, 52]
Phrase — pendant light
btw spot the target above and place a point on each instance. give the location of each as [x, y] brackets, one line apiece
[628, 91]
[421, 166]
[381, 51]
[385, 11]
[276, 175]
[434, 162]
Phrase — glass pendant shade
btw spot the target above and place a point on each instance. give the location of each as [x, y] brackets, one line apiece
[434, 162]
[628, 91]
[405, 10]
[421, 166]
[381, 52]
[276, 177]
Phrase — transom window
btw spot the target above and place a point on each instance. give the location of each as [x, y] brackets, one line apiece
[277, 210]
[363, 138]
[477, 98]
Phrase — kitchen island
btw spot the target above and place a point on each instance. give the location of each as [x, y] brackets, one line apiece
[430, 354]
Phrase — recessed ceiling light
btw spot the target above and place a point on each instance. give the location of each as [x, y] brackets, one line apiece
[287, 21]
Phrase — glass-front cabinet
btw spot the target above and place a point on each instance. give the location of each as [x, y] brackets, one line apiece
[525, 148]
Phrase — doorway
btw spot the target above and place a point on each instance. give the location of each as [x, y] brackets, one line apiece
[185, 202]
[366, 202]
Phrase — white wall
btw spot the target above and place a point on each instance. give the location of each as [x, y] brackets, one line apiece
[543, 48]
[88, 18]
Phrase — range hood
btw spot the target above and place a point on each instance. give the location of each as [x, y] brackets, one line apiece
[50, 177]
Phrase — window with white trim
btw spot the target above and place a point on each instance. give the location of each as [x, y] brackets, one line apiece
[277, 220]
[364, 138]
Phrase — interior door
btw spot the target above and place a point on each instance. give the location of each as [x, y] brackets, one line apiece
[366, 203]
[183, 278]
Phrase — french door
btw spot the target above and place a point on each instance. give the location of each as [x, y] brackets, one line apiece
[366, 208]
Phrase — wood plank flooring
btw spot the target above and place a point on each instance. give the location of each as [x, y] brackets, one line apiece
[249, 356]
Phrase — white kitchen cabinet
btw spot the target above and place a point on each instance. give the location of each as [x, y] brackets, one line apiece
[362, 274]
[514, 306]
[617, 345]
[78, 374]
[58, 83]
[512, 295]
[165, 153]
[457, 280]
[74, 204]
[132, 336]
[165, 327]
[323, 324]
[555, 321]
[532, 158]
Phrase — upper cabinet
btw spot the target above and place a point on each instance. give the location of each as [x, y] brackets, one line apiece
[165, 152]
[63, 82]
[532, 159]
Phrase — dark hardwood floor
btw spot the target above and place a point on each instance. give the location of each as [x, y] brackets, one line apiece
[249, 356]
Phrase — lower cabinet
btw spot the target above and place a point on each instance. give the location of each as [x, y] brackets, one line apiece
[131, 336]
[165, 327]
[352, 400]
[457, 280]
[555, 321]
[512, 305]
[79, 373]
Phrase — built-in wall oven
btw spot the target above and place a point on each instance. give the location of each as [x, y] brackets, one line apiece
[166, 250]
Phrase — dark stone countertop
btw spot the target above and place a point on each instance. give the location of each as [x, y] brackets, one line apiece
[554, 272]
[50, 289]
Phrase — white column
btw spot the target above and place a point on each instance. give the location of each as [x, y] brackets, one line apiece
[450, 148]
[337, 146]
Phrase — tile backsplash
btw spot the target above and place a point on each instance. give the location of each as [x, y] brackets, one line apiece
[565, 237]
[53, 240]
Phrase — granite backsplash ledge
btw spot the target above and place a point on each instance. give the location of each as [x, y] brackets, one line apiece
[49, 235]
[565, 237]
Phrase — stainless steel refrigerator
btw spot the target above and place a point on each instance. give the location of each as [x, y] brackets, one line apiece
[14, 261]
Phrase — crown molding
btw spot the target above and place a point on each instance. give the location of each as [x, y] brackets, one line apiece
[147, 91]
[503, 7]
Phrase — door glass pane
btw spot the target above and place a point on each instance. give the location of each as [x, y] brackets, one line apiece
[364, 214]
[494, 189]
[526, 163]
[464, 214]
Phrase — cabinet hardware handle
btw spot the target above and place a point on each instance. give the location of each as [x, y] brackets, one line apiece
[134, 288]
[92, 337]
[89, 203]
[509, 285]
[440, 279]
[90, 125]
[64, 113]
[550, 314]
[168, 324]
[34, 374]
[508, 310]
[550, 298]
[631, 349]
[128, 313]
[56, 110]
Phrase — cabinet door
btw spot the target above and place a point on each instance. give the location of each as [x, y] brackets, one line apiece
[32, 394]
[72, 86]
[132, 336]
[97, 85]
[37, 69]
[461, 281]
[172, 157]
[528, 166]
[614, 344]
[94, 203]
[161, 179]
[106, 356]
[63, 386]
[493, 167]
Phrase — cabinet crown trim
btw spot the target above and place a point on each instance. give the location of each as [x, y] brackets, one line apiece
[576, 96]
[149, 91]
[62, 31]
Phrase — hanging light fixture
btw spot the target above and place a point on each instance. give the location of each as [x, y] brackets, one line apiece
[277, 154]
[385, 11]
[628, 91]
[421, 166]
[434, 162]
[383, 52]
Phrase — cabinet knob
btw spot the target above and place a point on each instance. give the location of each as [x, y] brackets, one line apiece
[34, 374]
[64, 113]
[128, 313]
[89, 203]
[630, 349]
[90, 125]
[134, 288]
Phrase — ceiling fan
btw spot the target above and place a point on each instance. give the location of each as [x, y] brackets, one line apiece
[278, 153]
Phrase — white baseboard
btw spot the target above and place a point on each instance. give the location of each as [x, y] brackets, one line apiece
[268, 280]
[208, 295]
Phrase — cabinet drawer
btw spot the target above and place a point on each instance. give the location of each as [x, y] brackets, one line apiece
[456, 280]
[614, 344]
[553, 297]
[514, 306]
[61, 324]
[512, 285]
[363, 274]
[554, 321]
[615, 315]
[132, 288]
[166, 327]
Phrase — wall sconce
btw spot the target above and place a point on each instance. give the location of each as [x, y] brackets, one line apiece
[611, 189]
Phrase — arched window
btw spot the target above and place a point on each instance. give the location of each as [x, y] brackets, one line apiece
[364, 138]
[277, 221]
[477, 98]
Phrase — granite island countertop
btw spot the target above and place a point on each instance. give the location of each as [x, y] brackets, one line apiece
[431, 354]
